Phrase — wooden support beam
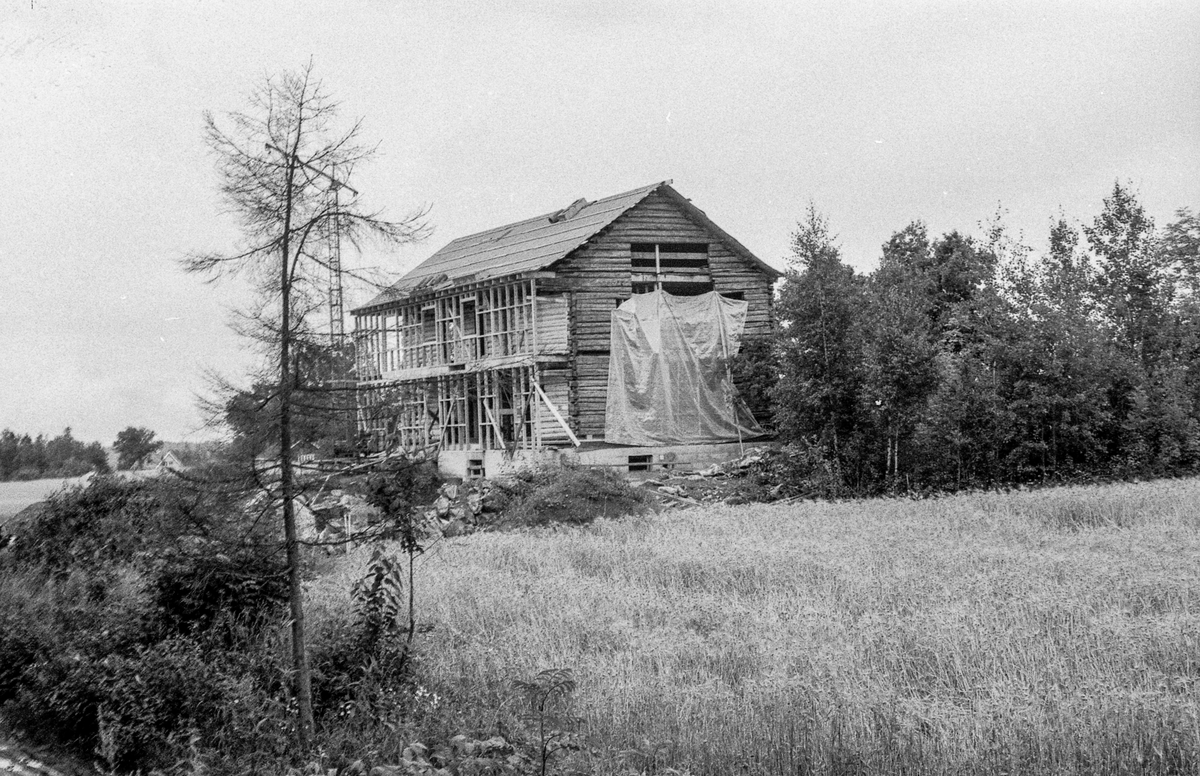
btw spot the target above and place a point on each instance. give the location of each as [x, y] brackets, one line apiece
[557, 415]
[495, 426]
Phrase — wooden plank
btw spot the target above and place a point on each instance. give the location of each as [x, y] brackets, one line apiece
[557, 415]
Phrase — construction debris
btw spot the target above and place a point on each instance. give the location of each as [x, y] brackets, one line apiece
[753, 477]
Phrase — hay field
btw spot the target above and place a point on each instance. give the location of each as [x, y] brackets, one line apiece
[1032, 632]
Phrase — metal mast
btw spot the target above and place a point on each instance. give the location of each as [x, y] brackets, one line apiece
[337, 320]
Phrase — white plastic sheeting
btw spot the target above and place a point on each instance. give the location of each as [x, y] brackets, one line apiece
[669, 381]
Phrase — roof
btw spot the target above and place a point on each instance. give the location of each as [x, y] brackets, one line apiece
[536, 243]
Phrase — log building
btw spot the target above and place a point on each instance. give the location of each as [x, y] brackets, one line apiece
[499, 344]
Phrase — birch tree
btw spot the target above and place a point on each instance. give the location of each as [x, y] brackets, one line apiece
[284, 169]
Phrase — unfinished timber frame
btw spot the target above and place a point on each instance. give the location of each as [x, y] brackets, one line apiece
[497, 346]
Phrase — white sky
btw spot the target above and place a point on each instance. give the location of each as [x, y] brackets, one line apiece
[880, 113]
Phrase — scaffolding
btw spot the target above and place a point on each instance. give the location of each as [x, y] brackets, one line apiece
[461, 328]
[465, 370]
[491, 409]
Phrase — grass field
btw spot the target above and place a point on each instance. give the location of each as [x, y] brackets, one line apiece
[1035, 632]
[15, 496]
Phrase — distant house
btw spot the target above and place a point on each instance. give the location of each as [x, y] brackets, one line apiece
[169, 461]
[605, 328]
[180, 458]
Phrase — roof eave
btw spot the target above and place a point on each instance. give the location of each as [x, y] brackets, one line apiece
[423, 294]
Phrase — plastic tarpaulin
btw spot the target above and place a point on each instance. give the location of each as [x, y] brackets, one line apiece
[669, 381]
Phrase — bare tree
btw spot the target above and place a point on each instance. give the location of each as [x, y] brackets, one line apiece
[284, 173]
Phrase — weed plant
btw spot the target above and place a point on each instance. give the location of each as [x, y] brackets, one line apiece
[1051, 631]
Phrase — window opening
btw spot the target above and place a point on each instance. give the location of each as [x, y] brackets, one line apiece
[640, 463]
[677, 268]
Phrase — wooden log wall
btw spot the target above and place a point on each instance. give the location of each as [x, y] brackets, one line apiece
[598, 277]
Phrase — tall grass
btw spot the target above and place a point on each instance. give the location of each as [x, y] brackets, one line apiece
[1052, 631]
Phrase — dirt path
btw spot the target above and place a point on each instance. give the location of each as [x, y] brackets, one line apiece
[20, 759]
[19, 763]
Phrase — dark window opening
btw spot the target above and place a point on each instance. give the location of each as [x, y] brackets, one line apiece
[677, 268]
[472, 412]
[506, 419]
[428, 326]
[475, 470]
[468, 317]
[677, 289]
[640, 463]
[738, 295]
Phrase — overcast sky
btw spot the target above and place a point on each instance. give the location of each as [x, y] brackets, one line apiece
[879, 113]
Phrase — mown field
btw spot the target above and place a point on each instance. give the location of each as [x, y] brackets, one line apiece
[1055, 631]
[15, 496]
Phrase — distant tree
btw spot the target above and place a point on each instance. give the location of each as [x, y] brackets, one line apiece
[134, 446]
[9, 450]
[95, 456]
[31, 457]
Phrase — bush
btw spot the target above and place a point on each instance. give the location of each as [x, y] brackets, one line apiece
[804, 470]
[104, 522]
[755, 371]
[134, 710]
[568, 494]
[80, 614]
[134, 612]
[94, 674]
[26, 629]
[195, 584]
[149, 699]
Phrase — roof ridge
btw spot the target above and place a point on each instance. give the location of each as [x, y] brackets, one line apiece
[547, 215]
[538, 240]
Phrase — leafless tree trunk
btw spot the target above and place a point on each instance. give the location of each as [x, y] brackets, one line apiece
[275, 171]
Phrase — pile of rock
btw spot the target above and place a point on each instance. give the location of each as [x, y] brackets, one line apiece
[464, 507]
[339, 515]
[336, 516]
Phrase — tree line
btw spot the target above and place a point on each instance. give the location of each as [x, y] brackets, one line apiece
[972, 362]
[25, 457]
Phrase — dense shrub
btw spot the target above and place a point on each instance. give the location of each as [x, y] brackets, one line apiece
[569, 495]
[755, 371]
[26, 628]
[131, 613]
[78, 614]
[193, 585]
[104, 522]
[803, 469]
[149, 699]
